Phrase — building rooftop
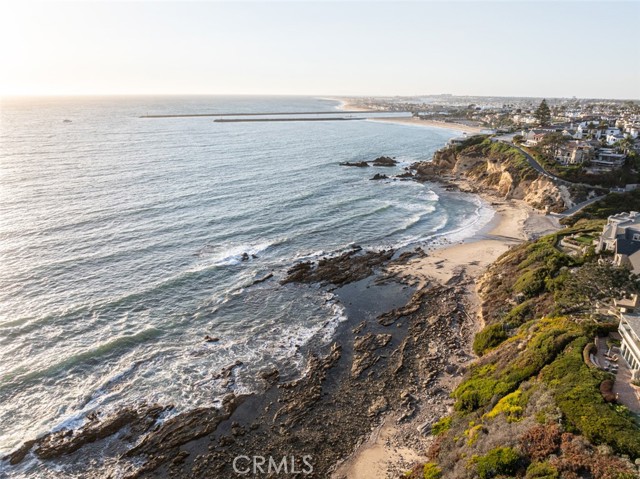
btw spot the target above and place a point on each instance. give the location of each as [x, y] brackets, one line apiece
[627, 247]
[630, 216]
[627, 302]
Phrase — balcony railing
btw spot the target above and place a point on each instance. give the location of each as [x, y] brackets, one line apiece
[630, 340]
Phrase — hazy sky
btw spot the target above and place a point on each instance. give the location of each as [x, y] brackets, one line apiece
[586, 49]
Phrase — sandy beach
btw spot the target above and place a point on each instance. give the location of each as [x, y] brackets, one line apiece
[434, 124]
[347, 105]
[393, 447]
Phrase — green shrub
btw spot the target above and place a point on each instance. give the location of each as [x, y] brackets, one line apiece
[489, 338]
[431, 471]
[576, 389]
[512, 406]
[497, 462]
[520, 314]
[484, 383]
[442, 426]
[542, 470]
[531, 282]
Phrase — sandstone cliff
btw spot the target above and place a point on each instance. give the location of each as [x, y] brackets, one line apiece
[498, 168]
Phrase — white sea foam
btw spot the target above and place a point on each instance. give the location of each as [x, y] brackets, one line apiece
[146, 196]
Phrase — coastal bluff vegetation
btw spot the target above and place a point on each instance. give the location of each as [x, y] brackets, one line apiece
[496, 168]
[530, 405]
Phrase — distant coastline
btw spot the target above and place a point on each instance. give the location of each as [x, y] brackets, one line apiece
[345, 104]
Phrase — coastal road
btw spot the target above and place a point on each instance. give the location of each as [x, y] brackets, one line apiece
[540, 169]
[537, 166]
[579, 206]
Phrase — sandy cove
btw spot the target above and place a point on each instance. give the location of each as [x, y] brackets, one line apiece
[391, 447]
[434, 124]
[460, 127]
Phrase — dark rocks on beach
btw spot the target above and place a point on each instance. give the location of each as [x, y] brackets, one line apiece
[137, 420]
[359, 164]
[300, 395]
[384, 161]
[364, 347]
[270, 375]
[157, 447]
[226, 372]
[406, 174]
[339, 270]
[378, 176]
[371, 370]
[407, 256]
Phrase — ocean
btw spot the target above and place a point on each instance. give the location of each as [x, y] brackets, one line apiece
[122, 242]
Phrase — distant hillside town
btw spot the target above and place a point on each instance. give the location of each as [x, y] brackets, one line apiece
[580, 140]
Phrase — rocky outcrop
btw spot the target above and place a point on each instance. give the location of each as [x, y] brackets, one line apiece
[497, 168]
[380, 161]
[364, 346]
[339, 270]
[300, 395]
[384, 161]
[359, 164]
[137, 420]
[378, 176]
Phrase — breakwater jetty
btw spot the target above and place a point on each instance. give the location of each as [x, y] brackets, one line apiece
[195, 115]
[238, 120]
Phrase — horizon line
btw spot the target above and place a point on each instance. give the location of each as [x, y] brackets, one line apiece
[325, 96]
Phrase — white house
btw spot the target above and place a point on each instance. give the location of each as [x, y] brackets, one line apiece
[632, 131]
[621, 235]
[587, 128]
[613, 139]
[629, 329]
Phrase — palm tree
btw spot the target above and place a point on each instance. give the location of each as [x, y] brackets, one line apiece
[626, 144]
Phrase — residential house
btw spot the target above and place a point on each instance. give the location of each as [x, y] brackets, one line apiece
[627, 305]
[629, 330]
[611, 131]
[621, 235]
[612, 139]
[607, 159]
[574, 153]
[587, 129]
[632, 130]
[533, 137]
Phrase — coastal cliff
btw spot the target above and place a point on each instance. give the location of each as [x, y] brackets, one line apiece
[531, 405]
[495, 167]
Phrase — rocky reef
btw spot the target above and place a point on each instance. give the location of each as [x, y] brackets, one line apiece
[387, 360]
[380, 161]
[338, 270]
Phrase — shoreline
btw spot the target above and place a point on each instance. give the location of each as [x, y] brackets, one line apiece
[474, 130]
[373, 375]
[459, 127]
[392, 448]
